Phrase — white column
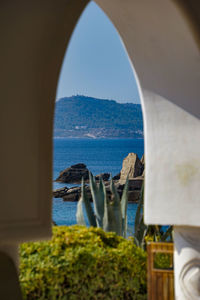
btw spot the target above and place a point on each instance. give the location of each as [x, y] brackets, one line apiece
[187, 262]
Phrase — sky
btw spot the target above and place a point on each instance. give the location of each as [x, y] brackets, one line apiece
[96, 63]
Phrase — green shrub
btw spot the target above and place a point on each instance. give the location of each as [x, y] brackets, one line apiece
[82, 263]
[163, 261]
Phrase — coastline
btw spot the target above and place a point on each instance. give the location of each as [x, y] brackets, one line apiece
[97, 138]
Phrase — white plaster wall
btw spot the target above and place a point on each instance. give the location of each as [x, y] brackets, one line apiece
[34, 36]
[172, 170]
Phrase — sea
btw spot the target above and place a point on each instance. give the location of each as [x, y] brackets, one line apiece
[100, 156]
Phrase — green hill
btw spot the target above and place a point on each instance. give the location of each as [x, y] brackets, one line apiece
[80, 116]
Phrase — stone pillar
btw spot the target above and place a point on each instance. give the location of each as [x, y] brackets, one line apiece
[187, 262]
[9, 282]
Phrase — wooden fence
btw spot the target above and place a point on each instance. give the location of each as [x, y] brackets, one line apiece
[160, 280]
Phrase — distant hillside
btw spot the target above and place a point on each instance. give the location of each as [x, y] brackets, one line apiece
[80, 116]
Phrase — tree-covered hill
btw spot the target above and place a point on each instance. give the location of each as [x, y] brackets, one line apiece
[80, 116]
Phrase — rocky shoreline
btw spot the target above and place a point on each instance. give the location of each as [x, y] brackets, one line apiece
[132, 167]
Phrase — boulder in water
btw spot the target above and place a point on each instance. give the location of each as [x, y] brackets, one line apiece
[104, 176]
[136, 183]
[117, 176]
[60, 193]
[74, 174]
[74, 193]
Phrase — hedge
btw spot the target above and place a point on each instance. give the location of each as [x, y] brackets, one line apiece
[82, 263]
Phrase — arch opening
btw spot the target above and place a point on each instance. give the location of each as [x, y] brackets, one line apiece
[97, 106]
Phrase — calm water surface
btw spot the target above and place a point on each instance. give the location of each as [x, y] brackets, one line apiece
[99, 155]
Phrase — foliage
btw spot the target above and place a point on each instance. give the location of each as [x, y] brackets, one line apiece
[79, 115]
[83, 263]
[163, 261]
[144, 233]
[108, 214]
[140, 227]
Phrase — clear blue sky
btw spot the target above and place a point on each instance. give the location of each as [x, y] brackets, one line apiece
[95, 62]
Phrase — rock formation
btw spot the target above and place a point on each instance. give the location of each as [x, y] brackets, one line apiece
[132, 167]
[142, 159]
[116, 177]
[136, 183]
[74, 174]
[60, 193]
[104, 176]
[143, 163]
[74, 193]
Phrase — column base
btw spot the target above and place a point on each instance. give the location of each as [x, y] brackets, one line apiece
[187, 262]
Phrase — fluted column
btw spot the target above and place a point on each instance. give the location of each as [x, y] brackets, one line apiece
[187, 262]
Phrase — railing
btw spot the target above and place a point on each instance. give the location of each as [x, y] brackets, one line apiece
[160, 280]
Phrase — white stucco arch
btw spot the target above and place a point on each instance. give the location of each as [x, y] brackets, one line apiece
[39, 35]
[34, 35]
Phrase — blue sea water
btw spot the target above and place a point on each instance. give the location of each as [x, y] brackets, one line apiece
[99, 155]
